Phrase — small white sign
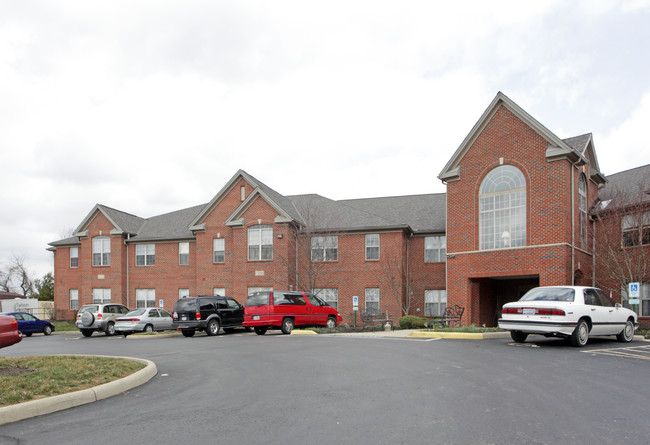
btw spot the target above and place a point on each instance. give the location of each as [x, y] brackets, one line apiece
[633, 301]
[161, 303]
[633, 291]
[259, 273]
[355, 308]
[355, 302]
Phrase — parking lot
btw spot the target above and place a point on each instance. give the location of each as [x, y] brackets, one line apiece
[244, 388]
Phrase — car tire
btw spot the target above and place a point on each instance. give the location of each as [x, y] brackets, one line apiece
[249, 329]
[47, 330]
[213, 327]
[627, 334]
[331, 323]
[580, 335]
[27, 334]
[188, 332]
[260, 330]
[87, 318]
[148, 328]
[228, 330]
[110, 329]
[87, 332]
[287, 325]
[518, 336]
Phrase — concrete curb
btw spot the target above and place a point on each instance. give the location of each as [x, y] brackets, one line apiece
[461, 335]
[303, 332]
[25, 410]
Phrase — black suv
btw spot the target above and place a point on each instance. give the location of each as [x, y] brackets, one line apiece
[207, 313]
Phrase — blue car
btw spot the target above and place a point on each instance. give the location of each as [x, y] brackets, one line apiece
[28, 324]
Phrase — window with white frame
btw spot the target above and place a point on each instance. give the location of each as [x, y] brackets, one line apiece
[330, 296]
[372, 246]
[372, 300]
[218, 250]
[74, 299]
[502, 209]
[435, 302]
[74, 257]
[101, 251]
[184, 254]
[219, 291]
[582, 210]
[101, 296]
[252, 290]
[183, 293]
[435, 249]
[636, 229]
[325, 248]
[145, 254]
[145, 298]
[260, 242]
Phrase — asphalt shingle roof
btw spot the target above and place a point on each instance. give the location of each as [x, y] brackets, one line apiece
[629, 187]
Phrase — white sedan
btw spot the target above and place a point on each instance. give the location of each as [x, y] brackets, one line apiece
[573, 312]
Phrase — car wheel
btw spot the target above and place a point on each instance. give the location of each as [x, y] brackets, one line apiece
[47, 330]
[87, 332]
[188, 332]
[228, 330]
[249, 329]
[110, 329]
[148, 328]
[213, 327]
[331, 323]
[260, 330]
[287, 325]
[518, 336]
[580, 335]
[27, 334]
[627, 334]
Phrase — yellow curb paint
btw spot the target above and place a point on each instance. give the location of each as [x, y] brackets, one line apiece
[301, 332]
[460, 335]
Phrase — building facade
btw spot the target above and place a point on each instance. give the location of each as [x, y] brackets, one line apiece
[519, 212]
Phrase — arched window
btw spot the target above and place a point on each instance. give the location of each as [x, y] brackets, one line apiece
[582, 207]
[260, 242]
[502, 209]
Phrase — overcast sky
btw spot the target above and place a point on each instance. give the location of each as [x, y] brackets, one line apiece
[150, 107]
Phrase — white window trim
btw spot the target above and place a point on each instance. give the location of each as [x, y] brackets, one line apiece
[149, 255]
[216, 241]
[76, 257]
[181, 247]
[372, 236]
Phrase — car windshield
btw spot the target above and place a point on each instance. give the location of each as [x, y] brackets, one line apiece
[258, 299]
[89, 308]
[185, 305]
[136, 312]
[549, 294]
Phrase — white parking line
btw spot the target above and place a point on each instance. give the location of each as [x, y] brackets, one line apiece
[637, 352]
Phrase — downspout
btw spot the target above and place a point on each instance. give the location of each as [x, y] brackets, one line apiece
[128, 237]
[593, 253]
[573, 231]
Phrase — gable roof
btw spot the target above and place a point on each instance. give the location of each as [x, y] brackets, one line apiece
[558, 149]
[626, 188]
[122, 222]
[584, 144]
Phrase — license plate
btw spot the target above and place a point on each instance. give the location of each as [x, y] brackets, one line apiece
[256, 317]
[529, 311]
[183, 317]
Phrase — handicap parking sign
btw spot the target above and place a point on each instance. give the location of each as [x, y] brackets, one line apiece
[633, 291]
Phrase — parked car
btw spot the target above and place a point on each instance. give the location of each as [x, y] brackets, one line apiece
[99, 317]
[207, 313]
[285, 309]
[28, 324]
[9, 333]
[143, 320]
[573, 312]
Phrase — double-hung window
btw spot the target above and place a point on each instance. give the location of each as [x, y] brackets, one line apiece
[74, 257]
[372, 300]
[184, 254]
[435, 302]
[218, 250]
[101, 251]
[74, 299]
[325, 248]
[372, 246]
[260, 242]
[145, 254]
[101, 296]
[435, 249]
[636, 229]
[145, 298]
[582, 209]
[330, 296]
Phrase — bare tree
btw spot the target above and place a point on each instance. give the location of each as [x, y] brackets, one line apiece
[398, 279]
[622, 243]
[16, 276]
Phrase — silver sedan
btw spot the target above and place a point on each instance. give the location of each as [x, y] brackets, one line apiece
[143, 320]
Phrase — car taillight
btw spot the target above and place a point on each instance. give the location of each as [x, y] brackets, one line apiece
[533, 311]
[99, 315]
[175, 315]
[14, 324]
[198, 315]
[129, 319]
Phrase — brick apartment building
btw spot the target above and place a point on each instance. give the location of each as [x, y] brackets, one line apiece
[519, 212]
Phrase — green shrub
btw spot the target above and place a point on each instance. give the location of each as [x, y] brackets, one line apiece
[412, 322]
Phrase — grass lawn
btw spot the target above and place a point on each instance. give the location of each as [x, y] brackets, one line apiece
[29, 378]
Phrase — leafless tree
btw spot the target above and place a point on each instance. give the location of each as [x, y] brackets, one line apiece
[622, 241]
[398, 279]
[17, 277]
